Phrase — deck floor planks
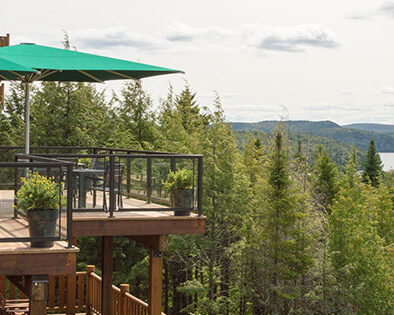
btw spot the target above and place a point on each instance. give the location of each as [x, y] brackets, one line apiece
[161, 220]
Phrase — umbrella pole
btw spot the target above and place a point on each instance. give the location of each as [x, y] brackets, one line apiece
[27, 118]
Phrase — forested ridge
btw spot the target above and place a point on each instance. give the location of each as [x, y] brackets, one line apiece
[345, 136]
[288, 230]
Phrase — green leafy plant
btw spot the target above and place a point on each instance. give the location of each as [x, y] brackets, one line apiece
[38, 192]
[181, 179]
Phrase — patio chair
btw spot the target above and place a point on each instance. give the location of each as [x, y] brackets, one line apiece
[103, 185]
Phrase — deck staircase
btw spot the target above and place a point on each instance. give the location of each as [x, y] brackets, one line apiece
[85, 298]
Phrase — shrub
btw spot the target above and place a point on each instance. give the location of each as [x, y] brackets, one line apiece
[38, 192]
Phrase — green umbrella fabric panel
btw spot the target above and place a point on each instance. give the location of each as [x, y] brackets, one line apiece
[12, 71]
[66, 65]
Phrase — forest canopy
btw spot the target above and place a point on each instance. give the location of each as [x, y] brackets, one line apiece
[293, 227]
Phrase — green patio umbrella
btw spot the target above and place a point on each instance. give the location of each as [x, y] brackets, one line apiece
[41, 63]
[12, 71]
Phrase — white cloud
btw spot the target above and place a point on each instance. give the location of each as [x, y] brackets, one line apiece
[179, 37]
[289, 38]
[117, 37]
[387, 90]
[385, 9]
[179, 32]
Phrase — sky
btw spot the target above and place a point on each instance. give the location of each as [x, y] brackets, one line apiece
[267, 60]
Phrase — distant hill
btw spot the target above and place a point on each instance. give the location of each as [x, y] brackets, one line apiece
[294, 125]
[380, 128]
[329, 130]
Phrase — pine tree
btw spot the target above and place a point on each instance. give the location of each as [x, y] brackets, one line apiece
[136, 115]
[372, 166]
[68, 114]
[286, 257]
[359, 248]
[324, 181]
[12, 115]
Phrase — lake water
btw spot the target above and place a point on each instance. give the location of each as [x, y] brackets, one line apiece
[388, 160]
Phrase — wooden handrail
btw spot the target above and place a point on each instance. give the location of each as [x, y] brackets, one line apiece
[88, 295]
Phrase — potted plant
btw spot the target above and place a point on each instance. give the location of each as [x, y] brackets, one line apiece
[180, 186]
[39, 199]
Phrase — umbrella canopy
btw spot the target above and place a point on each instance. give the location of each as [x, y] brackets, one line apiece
[12, 71]
[30, 62]
[57, 64]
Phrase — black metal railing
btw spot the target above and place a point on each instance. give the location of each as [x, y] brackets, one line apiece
[20, 167]
[142, 176]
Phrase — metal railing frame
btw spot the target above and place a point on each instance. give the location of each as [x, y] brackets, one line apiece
[31, 161]
[113, 153]
[112, 157]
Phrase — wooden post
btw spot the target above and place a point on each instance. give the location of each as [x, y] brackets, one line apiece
[124, 288]
[1, 94]
[71, 294]
[89, 292]
[38, 299]
[4, 41]
[107, 268]
[155, 281]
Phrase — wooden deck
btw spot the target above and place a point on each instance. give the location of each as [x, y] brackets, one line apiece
[97, 223]
[18, 258]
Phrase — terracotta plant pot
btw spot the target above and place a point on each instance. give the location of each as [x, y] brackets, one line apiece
[42, 223]
[182, 199]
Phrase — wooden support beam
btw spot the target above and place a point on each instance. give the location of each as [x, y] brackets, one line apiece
[107, 269]
[123, 226]
[37, 264]
[38, 299]
[158, 242]
[155, 281]
[71, 294]
[23, 283]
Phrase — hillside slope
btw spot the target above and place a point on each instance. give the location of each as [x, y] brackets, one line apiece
[327, 129]
[380, 128]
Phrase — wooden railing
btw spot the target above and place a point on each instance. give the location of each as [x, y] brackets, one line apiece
[9, 291]
[88, 295]
[86, 298]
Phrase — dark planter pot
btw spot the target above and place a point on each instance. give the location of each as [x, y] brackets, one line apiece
[42, 223]
[182, 199]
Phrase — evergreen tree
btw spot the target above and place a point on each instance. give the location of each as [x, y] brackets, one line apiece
[372, 166]
[286, 257]
[359, 248]
[12, 115]
[68, 114]
[324, 181]
[135, 115]
[188, 109]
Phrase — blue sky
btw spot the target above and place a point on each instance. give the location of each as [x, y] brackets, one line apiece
[304, 59]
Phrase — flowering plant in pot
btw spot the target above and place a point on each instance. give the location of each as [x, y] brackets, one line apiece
[39, 199]
[180, 186]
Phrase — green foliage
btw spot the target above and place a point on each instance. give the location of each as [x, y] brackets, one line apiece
[68, 114]
[286, 239]
[324, 181]
[181, 179]
[11, 115]
[266, 249]
[372, 166]
[360, 256]
[135, 115]
[38, 192]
